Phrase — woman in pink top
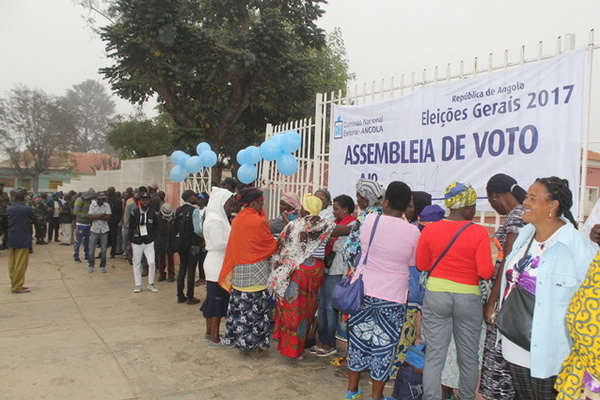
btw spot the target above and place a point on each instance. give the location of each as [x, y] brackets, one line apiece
[374, 331]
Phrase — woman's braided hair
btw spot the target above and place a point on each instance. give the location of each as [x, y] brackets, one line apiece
[559, 190]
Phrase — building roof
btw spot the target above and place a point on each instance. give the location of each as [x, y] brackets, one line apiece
[593, 156]
[82, 163]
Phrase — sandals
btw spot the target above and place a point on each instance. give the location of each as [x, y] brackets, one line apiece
[338, 362]
[325, 353]
[314, 349]
[341, 372]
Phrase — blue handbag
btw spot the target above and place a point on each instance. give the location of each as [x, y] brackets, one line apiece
[348, 296]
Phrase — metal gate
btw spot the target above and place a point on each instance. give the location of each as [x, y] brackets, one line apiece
[313, 156]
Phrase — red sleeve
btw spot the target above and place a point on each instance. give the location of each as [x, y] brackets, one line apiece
[423, 257]
[485, 267]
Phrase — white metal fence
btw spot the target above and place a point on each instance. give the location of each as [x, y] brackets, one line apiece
[314, 153]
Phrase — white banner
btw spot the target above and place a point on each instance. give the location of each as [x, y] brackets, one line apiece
[524, 122]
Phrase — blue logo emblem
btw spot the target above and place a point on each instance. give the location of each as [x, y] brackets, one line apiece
[338, 129]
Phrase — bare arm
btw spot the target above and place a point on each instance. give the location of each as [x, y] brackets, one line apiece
[490, 305]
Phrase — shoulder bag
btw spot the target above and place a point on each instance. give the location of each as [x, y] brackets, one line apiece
[516, 315]
[348, 296]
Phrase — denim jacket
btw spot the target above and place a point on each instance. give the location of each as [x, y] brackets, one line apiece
[562, 268]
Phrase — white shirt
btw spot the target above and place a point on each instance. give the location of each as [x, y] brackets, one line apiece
[99, 225]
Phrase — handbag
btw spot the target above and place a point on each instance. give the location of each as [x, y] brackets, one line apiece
[515, 318]
[348, 295]
[426, 274]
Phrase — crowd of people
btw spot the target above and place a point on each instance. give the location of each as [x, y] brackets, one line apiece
[522, 327]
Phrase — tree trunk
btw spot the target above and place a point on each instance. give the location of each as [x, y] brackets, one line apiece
[35, 181]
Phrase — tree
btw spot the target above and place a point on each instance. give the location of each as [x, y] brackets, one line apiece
[221, 68]
[33, 127]
[93, 109]
[137, 137]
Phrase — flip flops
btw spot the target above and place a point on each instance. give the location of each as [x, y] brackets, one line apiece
[338, 362]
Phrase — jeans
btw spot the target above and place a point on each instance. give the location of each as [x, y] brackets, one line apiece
[82, 234]
[96, 238]
[187, 266]
[327, 315]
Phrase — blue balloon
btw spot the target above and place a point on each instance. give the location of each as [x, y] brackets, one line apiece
[193, 164]
[178, 157]
[252, 155]
[287, 164]
[208, 158]
[178, 174]
[270, 150]
[242, 158]
[291, 141]
[247, 173]
[202, 147]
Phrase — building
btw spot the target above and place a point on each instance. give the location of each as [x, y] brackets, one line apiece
[63, 168]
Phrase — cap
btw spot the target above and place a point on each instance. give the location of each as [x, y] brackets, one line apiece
[145, 195]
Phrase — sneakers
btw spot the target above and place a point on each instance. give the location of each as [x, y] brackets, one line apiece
[77, 260]
[353, 395]
[171, 279]
[91, 269]
[152, 288]
[137, 289]
[192, 301]
[102, 269]
[181, 300]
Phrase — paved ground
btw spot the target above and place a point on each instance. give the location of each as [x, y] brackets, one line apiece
[88, 336]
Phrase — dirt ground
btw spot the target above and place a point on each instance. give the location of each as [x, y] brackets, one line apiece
[88, 336]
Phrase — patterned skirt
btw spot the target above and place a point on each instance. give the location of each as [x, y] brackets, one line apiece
[247, 325]
[296, 311]
[496, 381]
[407, 338]
[373, 335]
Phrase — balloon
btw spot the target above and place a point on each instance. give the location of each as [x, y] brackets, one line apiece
[183, 160]
[277, 139]
[208, 158]
[247, 173]
[193, 164]
[177, 157]
[291, 141]
[287, 164]
[270, 150]
[178, 174]
[252, 155]
[202, 147]
[241, 157]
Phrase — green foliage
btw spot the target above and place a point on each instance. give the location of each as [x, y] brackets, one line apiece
[93, 110]
[223, 68]
[136, 137]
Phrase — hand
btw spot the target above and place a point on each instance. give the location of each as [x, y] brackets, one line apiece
[489, 312]
[595, 234]
[285, 217]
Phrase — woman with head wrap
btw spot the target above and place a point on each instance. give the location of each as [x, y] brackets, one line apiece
[452, 304]
[245, 274]
[506, 198]
[289, 205]
[419, 201]
[297, 275]
[548, 261]
[327, 210]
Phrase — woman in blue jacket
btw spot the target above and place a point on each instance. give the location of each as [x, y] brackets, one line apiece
[549, 259]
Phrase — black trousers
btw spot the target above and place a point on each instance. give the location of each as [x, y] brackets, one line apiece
[201, 274]
[529, 388]
[113, 230]
[53, 225]
[187, 268]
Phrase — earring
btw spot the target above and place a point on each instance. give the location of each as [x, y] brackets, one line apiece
[550, 214]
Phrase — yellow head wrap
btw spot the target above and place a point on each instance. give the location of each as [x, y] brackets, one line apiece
[459, 195]
[312, 204]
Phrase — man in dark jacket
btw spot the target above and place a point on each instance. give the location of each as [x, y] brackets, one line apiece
[113, 224]
[189, 248]
[143, 227]
[20, 218]
[163, 245]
